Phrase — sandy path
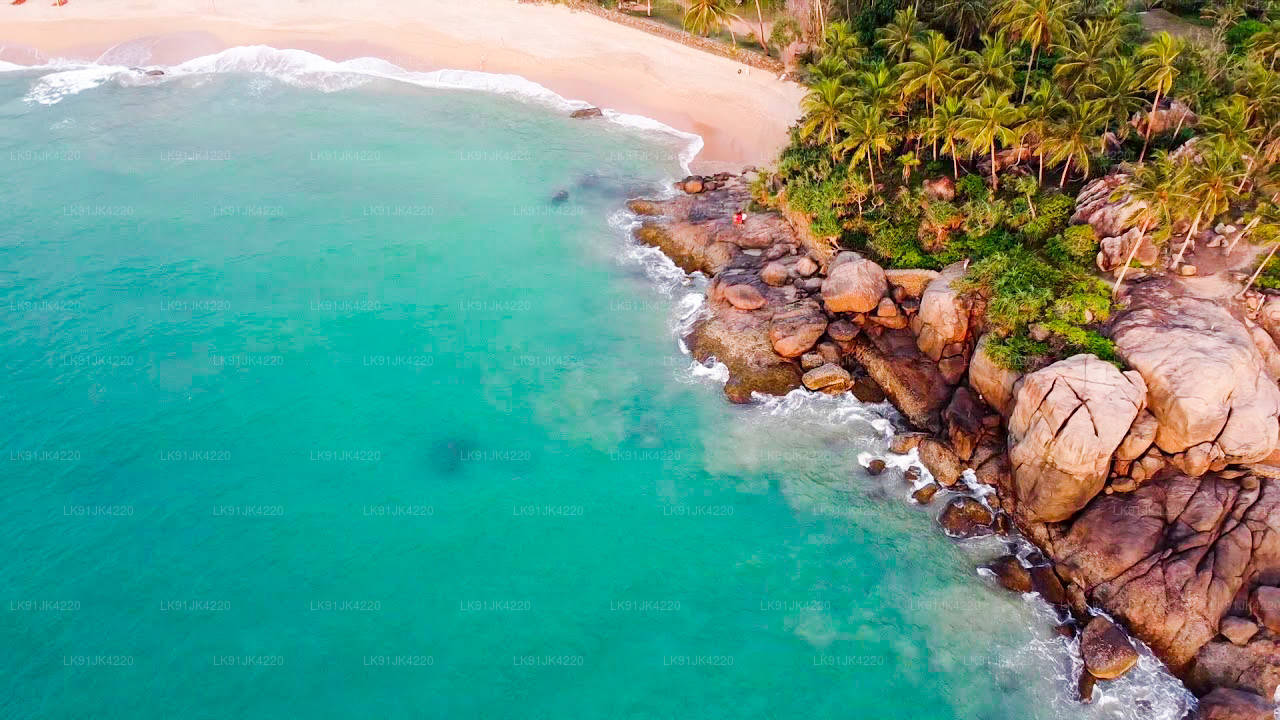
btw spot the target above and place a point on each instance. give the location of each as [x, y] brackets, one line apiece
[742, 113]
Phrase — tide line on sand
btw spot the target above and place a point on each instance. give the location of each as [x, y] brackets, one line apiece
[300, 68]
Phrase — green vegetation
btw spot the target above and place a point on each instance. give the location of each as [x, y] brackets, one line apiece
[1020, 102]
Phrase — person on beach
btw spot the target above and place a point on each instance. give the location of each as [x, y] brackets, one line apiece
[739, 218]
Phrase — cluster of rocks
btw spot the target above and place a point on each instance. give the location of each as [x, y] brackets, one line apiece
[1146, 490]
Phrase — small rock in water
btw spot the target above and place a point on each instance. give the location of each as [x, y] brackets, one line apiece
[1106, 649]
[155, 73]
[591, 112]
[875, 467]
[1066, 630]
[560, 196]
[1010, 574]
[1045, 581]
[1085, 688]
[692, 185]
[867, 391]
[925, 494]
[912, 475]
[965, 517]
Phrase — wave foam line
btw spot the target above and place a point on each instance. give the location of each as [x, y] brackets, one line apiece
[300, 68]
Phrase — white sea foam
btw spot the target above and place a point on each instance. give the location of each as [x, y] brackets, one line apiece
[299, 68]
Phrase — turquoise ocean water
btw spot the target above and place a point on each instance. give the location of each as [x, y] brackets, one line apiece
[316, 404]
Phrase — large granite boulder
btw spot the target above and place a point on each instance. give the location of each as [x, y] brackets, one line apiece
[943, 318]
[1253, 667]
[796, 327]
[1067, 420]
[1173, 557]
[1170, 115]
[740, 340]
[993, 382]
[1205, 378]
[853, 284]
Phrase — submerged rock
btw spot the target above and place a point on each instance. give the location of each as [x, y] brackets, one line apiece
[591, 112]
[965, 517]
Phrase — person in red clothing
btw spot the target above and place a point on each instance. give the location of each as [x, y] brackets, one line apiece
[739, 218]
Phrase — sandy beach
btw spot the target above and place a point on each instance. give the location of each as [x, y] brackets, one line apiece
[742, 113]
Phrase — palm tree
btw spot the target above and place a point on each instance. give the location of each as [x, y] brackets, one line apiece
[946, 128]
[1156, 186]
[1039, 23]
[1228, 126]
[840, 41]
[987, 122]
[829, 67]
[706, 16]
[897, 36]
[1114, 88]
[930, 69]
[1157, 72]
[824, 106]
[965, 18]
[1211, 186]
[1039, 116]
[867, 134]
[876, 85]
[1073, 138]
[992, 67]
[1086, 49]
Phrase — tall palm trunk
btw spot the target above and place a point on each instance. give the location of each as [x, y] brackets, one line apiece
[1124, 269]
[1027, 80]
[1151, 121]
[1258, 272]
[1066, 167]
[764, 43]
[1041, 154]
[995, 184]
[1252, 224]
[1187, 240]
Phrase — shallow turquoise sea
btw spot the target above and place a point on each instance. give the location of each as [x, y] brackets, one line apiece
[317, 404]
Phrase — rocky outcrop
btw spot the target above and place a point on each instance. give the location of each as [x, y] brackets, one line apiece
[1113, 252]
[1171, 558]
[1108, 217]
[914, 385]
[1207, 386]
[1067, 421]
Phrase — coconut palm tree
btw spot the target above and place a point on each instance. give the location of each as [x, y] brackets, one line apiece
[989, 121]
[1085, 50]
[965, 18]
[946, 128]
[824, 106]
[1072, 140]
[897, 36]
[1114, 87]
[868, 133]
[841, 41]
[991, 66]
[830, 67]
[1230, 128]
[931, 69]
[706, 16]
[876, 85]
[1156, 186]
[1039, 23]
[1157, 70]
[1211, 187]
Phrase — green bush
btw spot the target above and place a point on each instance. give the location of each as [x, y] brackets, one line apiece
[1237, 37]
[1016, 352]
[1077, 244]
[973, 187]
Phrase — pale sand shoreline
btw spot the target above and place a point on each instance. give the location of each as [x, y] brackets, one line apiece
[742, 113]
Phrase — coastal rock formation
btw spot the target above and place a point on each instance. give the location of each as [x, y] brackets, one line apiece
[913, 384]
[1113, 252]
[1253, 667]
[1207, 386]
[1171, 559]
[1067, 421]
